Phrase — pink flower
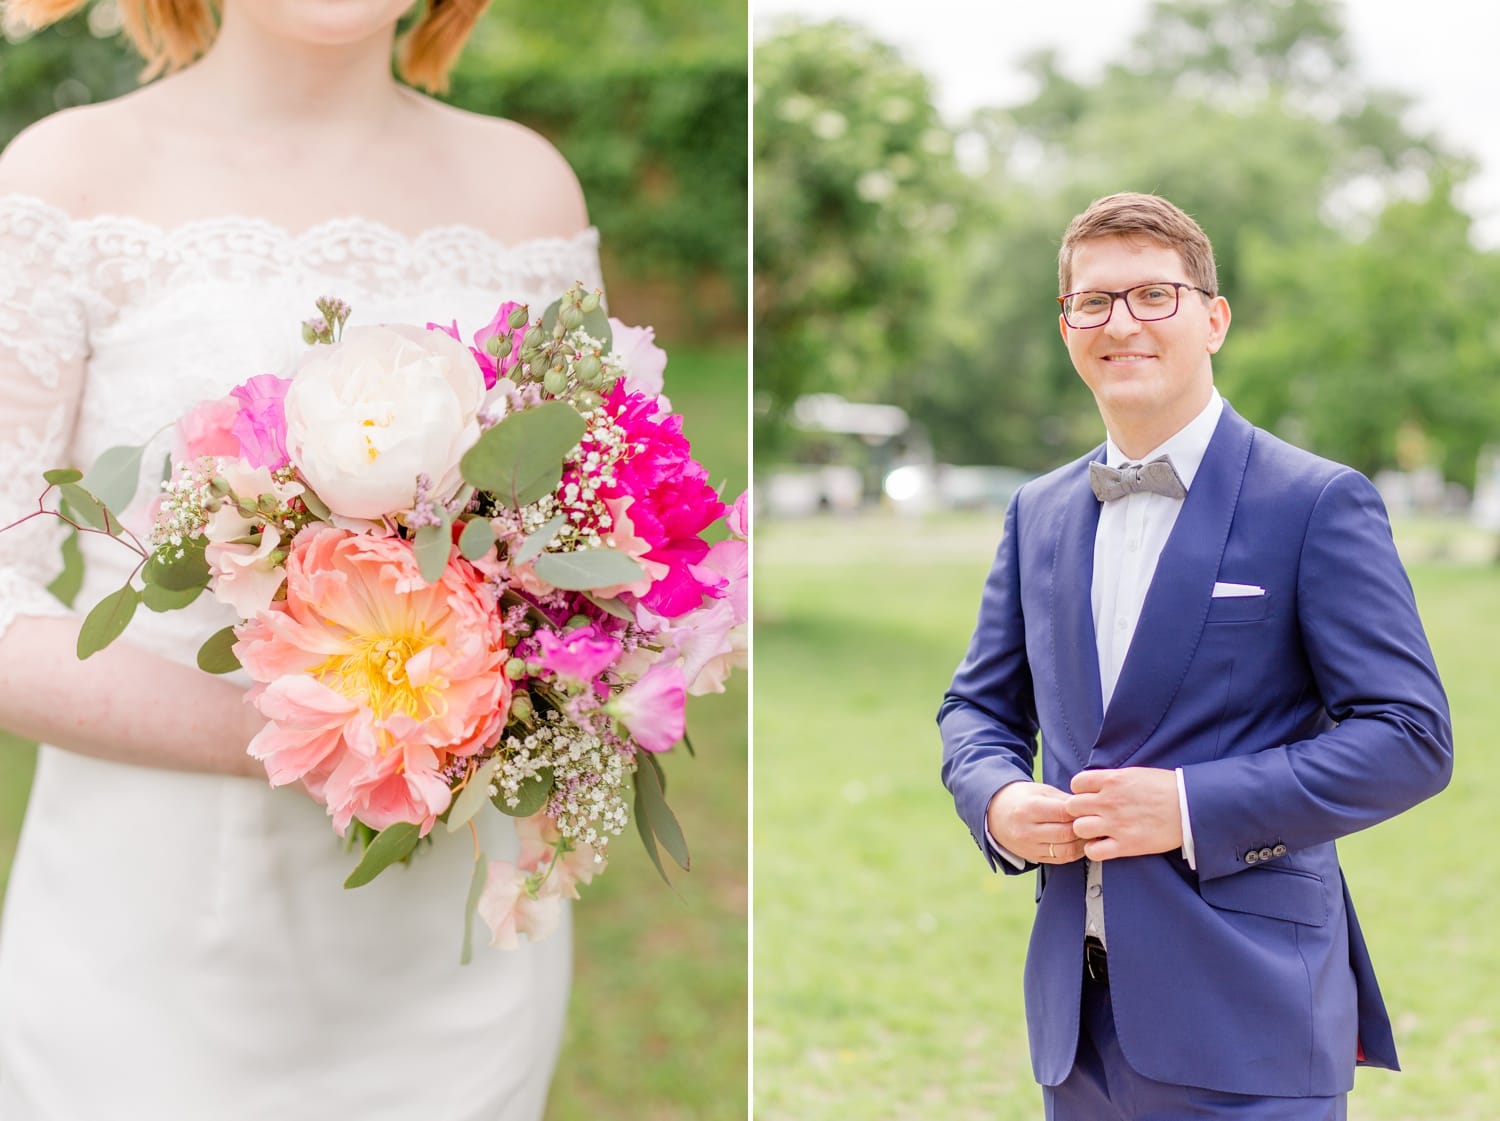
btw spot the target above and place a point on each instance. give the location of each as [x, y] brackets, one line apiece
[260, 423]
[645, 363]
[582, 653]
[373, 680]
[738, 518]
[673, 501]
[541, 842]
[653, 709]
[509, 909]
[207, 429]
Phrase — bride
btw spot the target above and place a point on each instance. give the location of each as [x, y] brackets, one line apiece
[176, 942]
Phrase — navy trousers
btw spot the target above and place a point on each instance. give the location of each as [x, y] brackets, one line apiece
[1103, 1087]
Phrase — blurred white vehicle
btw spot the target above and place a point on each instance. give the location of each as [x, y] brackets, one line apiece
[799, 492]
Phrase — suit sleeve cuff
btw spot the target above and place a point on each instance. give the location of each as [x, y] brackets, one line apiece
[1187, 823]
[1004, 853]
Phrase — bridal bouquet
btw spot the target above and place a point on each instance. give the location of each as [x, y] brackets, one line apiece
[468, 577]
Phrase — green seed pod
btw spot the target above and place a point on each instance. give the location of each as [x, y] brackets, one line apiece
[588, 400]
[517, 318]
[575, 622]
[309, 336]
[520, 708]
[590, 302]
[514, 668]
[555, 383]
[492, 345]
[588, 370]
[570, 317]
[533, 337]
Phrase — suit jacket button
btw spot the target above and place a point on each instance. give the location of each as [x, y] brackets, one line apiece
[1252, 857]
[1266, 854]
[1279, 850]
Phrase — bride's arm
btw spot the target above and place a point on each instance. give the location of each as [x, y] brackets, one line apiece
[123, 703]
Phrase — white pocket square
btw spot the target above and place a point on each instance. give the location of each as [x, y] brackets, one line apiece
[1237, 591]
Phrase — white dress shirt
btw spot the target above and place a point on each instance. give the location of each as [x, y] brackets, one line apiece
[1127, 544]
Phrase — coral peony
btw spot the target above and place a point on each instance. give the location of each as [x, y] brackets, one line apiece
[373, 680]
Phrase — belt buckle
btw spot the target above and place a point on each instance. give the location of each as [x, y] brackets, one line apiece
[1096, 961]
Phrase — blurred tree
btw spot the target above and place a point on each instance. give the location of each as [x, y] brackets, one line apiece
[1323, 206]
[856, 197]
[647, 100]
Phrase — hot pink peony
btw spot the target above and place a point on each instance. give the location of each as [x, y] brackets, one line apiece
[674, 502]
[373, 680]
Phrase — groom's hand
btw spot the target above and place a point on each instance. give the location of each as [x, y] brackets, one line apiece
[1030, 819]
[1129, 812]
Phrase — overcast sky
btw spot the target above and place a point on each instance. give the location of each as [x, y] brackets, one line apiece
[1442, 53]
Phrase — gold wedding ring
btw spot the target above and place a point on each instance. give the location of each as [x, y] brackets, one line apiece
[1051, 852]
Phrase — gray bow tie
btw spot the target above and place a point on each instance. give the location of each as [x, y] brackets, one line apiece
[1158, 477]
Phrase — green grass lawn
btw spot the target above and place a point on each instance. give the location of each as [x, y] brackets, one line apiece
[888, 957]
[656, 1027]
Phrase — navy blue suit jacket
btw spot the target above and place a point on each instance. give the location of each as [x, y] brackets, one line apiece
[1297, 717]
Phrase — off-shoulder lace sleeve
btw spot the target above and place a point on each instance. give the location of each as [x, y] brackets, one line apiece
[42, 353]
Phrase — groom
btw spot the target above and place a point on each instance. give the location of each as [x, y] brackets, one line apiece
[1213, 634]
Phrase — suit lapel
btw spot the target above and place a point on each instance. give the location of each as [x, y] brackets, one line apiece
[1075, 651]
[1176, 605]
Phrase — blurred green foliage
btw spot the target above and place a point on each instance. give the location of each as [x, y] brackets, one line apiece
[647, 101]
[1356, 285]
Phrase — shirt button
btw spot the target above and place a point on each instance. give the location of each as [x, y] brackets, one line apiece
[1095, 891]
[1252, 857]
[1133, 544]
[1279, 850]
[1093, 928]
[1266, 854]
[1119, 624]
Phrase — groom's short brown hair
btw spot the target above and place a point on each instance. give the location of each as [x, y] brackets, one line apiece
[1138, 217]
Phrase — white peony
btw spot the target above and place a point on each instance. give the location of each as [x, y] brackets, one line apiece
[367, 415]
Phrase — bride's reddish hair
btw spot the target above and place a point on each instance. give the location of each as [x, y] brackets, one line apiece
[170, 34]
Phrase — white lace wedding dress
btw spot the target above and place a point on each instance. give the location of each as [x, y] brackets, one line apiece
[179, 947]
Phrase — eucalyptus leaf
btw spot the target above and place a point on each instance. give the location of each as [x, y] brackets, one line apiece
[107, 621]
[157, 598]
[60, 475]
[520, 459]
[549, 317]
[474, 794]
[471, 907]
[533, 794]
[588, 569]
[648, 838]
[433, 545]
[393, 843]
[477, 538]
[651, 799]
[596, 323]
[315, 505]
[539, 539]
[216, 655]
[115, 475]
[85, 507]
[612, 606]
[179, 574]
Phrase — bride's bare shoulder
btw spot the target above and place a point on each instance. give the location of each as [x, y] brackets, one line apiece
[69, 159]
[516, 183]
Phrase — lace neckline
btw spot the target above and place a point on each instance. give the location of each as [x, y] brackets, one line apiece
[586, 238]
